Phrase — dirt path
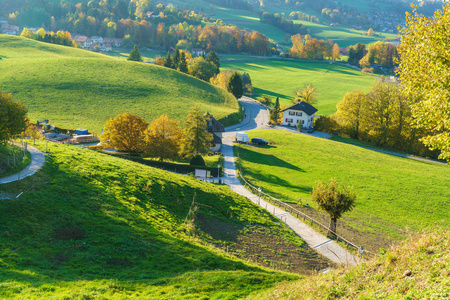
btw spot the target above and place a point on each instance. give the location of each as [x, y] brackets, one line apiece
[37, 161]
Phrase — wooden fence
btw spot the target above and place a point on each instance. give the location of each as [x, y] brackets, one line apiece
[299, 214]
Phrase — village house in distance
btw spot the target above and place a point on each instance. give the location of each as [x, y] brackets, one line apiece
[301, 112]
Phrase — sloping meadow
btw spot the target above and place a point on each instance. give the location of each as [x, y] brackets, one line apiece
[91, 225]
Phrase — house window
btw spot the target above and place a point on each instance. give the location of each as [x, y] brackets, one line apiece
[299, 113]
[292, 113]
[303, 122]
[297, 121]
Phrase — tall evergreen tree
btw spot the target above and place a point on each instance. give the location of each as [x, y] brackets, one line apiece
[215, 60]
[275, 112]
[235, 85]
[196, 139]
[176, 59]
[168, 63]
[135, 55]
[182, 66]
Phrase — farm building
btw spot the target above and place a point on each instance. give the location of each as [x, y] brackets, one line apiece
[216, 128]
[300, 112]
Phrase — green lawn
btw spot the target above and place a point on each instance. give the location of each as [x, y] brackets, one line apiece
[344, 36]
[74, 88]
[393, 193]
[280, 77]
[12, 160]
[89, 225]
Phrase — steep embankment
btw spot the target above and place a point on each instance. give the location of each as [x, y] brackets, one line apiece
[75, 88]
[91, 225]
[419, 268]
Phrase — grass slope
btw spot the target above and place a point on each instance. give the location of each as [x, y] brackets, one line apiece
[280, 77]
[7, 155]
[426, 257]
[74, 88]
[89, 225]
[393, 194]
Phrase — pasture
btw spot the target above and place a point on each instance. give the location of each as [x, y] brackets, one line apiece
[394, 195]
[281, 77]
[98, 226]
[74, 88]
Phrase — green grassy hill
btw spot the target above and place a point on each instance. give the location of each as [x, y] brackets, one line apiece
[280, 77]
[74, 88]
[394, 194]
[92, 226]
[419, 268]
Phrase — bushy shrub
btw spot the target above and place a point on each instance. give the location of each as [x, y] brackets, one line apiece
[326, 124]
[197, 161]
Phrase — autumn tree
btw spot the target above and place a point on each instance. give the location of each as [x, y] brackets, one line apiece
[125, 132]
[350, 112]
[335, 199]
[135, 55]
[355, 53]
[196, 140]
[162, 138]
[307, 94]
[424, 73]
[235, 85]
[200, 68]
[370, 32]
[13, 116]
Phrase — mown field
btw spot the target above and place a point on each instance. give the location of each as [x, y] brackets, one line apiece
[281, 77]
[394, 195]
[343, 36]
[91, 226]
[74, 88]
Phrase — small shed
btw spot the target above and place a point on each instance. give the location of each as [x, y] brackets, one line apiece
[81, 131]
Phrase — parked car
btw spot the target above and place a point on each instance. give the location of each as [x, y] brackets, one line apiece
[310, 130]
[259, 141]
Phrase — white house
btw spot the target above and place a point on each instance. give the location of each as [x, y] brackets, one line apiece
[300, 112]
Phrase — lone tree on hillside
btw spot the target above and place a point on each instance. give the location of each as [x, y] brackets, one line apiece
[335, 199]
[424, 71]
[182, 66]
[162, 138]
[235, 85]
[125, 133]
[13, 117]
[135, 55]
[168, 62]
[196, 140]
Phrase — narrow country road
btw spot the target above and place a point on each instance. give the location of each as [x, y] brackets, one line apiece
[257, 117]
[37, 161]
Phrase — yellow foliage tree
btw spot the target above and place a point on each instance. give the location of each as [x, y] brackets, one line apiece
[424, 73]
[163, 138]
[13, 116]
[125, 133]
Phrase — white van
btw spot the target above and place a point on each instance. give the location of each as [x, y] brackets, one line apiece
[242, 137]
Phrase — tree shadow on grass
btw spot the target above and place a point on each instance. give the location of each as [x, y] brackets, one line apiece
[275, 181]
[270, 93]
[266, 159]
[128, 219]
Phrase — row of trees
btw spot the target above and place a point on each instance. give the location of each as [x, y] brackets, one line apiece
[60, 37]
[127, 19]
[382, 53]
[382, 117]
[280, 21]
[311, 48]
[162, 139]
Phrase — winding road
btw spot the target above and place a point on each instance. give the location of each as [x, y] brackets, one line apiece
[256, 116]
